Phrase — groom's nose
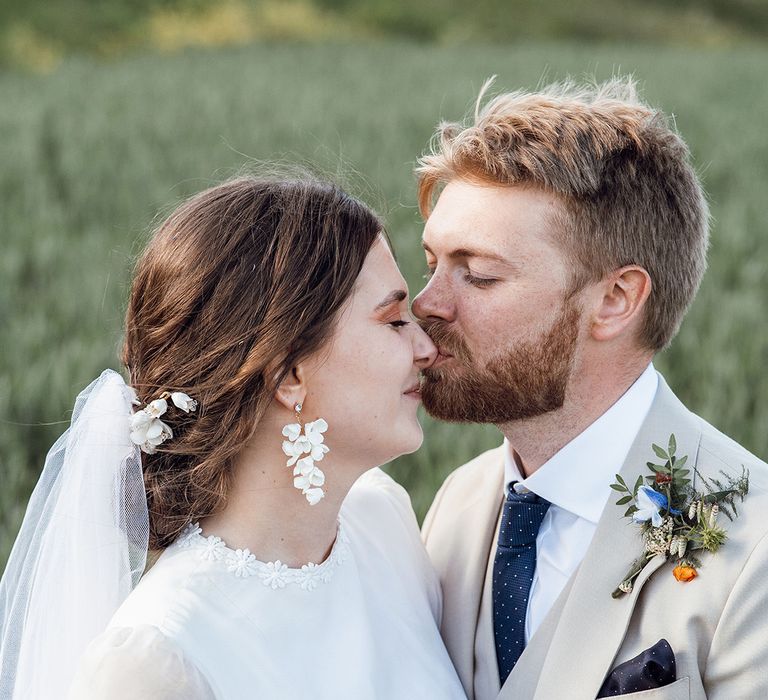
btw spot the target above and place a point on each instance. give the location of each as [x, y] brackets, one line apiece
[433, 302]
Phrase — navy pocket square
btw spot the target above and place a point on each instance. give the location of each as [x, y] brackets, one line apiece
[652, 668]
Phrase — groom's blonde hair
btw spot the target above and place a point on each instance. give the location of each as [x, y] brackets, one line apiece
[623, 174]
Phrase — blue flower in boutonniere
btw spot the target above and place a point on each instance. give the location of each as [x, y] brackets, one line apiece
[677, 521]
[650, 503]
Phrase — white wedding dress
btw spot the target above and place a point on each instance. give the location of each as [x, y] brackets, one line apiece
[210, 622]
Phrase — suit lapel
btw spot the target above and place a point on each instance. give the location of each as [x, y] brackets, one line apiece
[486, 665]
[591, 619]
[473, 527]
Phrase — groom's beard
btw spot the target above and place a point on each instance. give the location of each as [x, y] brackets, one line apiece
[527, 380]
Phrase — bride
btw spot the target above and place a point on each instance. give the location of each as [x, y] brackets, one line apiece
[217, 527]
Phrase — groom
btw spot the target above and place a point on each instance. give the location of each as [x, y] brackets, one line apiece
[566, 237]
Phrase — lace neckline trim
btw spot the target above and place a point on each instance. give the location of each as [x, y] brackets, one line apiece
[273, 574]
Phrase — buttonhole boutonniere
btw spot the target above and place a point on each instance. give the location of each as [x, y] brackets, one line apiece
[677, 521]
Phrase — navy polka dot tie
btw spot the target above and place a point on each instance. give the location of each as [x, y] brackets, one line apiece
[513, 569]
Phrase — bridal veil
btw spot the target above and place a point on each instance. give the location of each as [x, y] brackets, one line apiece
[81, 549]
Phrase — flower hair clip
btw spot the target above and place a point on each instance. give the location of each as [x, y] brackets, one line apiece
[147, 430]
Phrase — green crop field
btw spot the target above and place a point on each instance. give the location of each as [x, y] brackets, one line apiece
[90, 154]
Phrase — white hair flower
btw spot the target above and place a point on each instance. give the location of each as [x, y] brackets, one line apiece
[183, 401]
[140, 420]
[157, 408]
[147, 430]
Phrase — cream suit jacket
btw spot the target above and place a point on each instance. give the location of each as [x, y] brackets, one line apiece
[717, 624]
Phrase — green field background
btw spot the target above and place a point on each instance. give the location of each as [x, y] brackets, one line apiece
[93, 151]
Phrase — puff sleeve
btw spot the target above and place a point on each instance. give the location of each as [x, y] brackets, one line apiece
[125, 663]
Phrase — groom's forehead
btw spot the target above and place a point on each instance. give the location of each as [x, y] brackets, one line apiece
[489, 221]
[492, 240]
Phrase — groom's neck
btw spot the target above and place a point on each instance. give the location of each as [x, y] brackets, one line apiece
[590, 393]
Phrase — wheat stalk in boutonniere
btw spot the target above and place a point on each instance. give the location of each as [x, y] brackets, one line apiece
[677, 521]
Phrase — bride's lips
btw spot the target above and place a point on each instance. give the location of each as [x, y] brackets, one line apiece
[414, 391]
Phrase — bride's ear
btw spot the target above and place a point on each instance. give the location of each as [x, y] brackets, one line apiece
[292, 389]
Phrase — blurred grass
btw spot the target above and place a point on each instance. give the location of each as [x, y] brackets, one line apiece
[93, 151]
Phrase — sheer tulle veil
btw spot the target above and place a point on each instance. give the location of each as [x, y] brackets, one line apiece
[81, 549]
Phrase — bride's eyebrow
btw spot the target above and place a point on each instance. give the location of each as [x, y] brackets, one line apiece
[394, 297]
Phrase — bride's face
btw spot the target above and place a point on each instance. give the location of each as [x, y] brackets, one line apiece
[365, 382]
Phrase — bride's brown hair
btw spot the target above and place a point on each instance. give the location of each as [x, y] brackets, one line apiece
[236, 286]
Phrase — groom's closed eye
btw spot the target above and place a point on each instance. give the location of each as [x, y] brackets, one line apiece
[469, 277]
[481, 282]
[484, 257]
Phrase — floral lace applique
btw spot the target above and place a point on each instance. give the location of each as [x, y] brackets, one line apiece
[214, 549]
[189, 535]
[242, 563]
[275, 574]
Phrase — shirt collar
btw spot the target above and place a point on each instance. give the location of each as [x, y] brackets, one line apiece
[578, 477]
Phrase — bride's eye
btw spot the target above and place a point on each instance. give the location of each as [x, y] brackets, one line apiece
[398, 324]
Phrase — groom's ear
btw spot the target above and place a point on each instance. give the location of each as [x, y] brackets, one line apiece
[622, 297]
[293, 388]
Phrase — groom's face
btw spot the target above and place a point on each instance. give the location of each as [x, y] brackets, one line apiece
[496, 305]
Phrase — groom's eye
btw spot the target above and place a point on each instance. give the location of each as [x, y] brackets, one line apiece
[481, 282]
[428, 274]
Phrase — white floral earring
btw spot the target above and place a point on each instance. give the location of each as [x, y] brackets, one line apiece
[306, 476]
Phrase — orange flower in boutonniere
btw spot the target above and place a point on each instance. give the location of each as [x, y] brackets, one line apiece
[677, 521]
[684, 573]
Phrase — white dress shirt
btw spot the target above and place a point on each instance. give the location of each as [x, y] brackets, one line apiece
[576, 481]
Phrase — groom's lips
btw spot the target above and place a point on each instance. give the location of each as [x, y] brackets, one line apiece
[442, 356]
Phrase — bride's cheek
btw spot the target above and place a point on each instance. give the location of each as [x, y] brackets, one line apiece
[404, 353]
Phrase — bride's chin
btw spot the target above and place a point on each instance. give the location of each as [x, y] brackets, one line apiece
[415, 439]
